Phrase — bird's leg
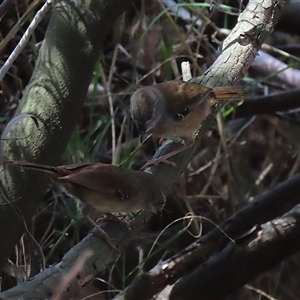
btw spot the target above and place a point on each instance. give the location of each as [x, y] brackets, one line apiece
[161, 141]
[108, 216]
[102, 233]
[165, 157]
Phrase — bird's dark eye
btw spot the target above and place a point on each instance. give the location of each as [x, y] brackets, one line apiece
[119, 194]
[181, 115]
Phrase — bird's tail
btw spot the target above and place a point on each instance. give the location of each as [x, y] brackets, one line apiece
[54, 172]
[228, 93]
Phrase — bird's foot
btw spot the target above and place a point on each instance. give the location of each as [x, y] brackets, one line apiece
[165, 157]
[156, 161]
[161, 141]
[108, 216]
[102, 234]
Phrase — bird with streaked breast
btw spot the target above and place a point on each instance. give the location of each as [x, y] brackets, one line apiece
[175, 110]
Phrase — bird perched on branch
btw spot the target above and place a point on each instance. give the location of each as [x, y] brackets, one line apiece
[175, 110]
[105, 187]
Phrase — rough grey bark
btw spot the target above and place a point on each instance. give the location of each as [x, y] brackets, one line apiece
[54, 96]
[242, 261]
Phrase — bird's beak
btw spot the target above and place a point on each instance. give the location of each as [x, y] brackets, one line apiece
[144, 139]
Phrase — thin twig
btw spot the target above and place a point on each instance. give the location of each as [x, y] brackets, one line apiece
[25, 38]
[78, 266]
[107, 84]
[186, 71]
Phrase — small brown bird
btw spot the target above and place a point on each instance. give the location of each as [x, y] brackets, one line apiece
[175, 110]
[105, 187]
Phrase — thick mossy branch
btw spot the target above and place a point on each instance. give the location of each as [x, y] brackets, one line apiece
[54, 96]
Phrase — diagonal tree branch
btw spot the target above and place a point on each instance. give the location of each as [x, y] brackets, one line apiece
[243, 261]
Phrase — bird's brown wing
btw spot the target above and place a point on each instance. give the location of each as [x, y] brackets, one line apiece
[184, 97]
[72, 169]
[105, 180]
